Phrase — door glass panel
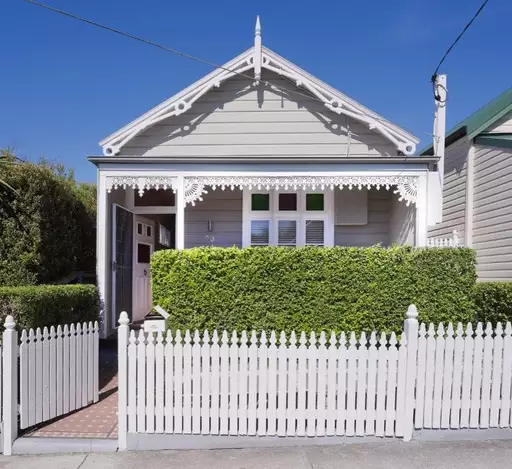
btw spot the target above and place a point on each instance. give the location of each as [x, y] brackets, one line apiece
[123, 261]
[143, 253]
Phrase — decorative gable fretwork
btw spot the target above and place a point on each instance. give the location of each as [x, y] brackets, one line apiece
[405, 186]
[257, 58]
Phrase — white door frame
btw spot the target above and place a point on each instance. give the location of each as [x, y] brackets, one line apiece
[136, 242]
[114, 255]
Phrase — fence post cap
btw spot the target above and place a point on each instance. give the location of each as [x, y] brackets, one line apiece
[412, 312]
[9, 324]
[124, 320]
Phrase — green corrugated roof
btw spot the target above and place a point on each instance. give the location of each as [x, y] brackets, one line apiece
[479, 121]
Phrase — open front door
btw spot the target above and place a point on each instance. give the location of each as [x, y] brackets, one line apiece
[144, 246]
[122, 262]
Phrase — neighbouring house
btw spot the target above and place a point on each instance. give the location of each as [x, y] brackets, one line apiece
[477, 192]
[258, 152]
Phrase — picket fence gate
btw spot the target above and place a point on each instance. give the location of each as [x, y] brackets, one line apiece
[46, 374]
[433, 378]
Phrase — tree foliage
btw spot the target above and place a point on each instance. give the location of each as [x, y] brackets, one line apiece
[47, 229]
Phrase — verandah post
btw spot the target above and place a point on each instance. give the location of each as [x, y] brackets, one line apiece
[122, 394]
[10, 385]
[411, 334]
[180, 212]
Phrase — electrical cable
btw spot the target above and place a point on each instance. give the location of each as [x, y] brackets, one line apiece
[183, 54]
[434, 75]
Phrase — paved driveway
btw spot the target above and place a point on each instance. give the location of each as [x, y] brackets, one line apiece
[386, 455]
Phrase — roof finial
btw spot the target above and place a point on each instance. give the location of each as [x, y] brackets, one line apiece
[257, 51]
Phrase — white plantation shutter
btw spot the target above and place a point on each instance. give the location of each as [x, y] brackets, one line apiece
[315, 232]
[260, 232]
[287, 232]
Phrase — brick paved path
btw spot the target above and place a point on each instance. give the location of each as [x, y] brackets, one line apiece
[95, 421]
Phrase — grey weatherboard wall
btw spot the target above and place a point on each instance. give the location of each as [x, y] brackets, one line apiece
[240, 120]
[224, 210]
[492, 213]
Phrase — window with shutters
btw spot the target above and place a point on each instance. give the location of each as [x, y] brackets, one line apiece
[288, 218]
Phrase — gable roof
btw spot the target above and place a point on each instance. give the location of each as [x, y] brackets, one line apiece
[479, 121]
[256, 58]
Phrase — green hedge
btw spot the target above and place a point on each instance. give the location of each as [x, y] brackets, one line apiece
[47, 305]
[312, 288]
[493, 302]
[47, 228]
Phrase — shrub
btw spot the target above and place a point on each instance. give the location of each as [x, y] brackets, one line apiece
[312, 288]
[47, 229]
[47, 305]
[493, 302]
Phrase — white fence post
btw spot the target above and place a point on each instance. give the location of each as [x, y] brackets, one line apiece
[10, 385]
[122, 394]
[411, 333]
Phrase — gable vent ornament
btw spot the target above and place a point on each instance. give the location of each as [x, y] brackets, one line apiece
[258, 58]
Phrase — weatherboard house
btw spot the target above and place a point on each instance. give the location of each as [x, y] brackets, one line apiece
[258, 152]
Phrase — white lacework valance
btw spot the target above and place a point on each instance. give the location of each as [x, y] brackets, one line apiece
[141, 183]
[405, 186]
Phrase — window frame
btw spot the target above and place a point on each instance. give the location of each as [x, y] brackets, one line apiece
[301, 215]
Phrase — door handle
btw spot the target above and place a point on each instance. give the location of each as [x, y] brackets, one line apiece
[145, 272]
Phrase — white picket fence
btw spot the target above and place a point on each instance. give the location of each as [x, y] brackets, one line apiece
[58, 371]
[463, 377]
[176, 384]
[448, 242]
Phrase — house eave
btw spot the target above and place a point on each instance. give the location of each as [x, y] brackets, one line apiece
[98, 160]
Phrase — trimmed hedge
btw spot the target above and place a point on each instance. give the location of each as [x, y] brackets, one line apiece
[493, 302]
[312, 288]
[47, 305]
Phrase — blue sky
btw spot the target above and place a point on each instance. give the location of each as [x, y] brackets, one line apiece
[65, 85]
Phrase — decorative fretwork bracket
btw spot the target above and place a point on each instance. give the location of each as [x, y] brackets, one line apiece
[406, 186]
[141, 183]
[258, 58]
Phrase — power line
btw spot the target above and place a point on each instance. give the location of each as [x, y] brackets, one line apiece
[182, 54]
[434, 76]
[162, 47]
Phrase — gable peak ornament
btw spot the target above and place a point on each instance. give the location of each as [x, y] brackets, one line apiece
[257, 51]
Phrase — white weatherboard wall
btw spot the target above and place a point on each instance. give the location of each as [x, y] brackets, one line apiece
[454, 191]
[492, 213]
[239, 119]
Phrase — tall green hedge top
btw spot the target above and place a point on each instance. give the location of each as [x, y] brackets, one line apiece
[312, 288]
[47, 228]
